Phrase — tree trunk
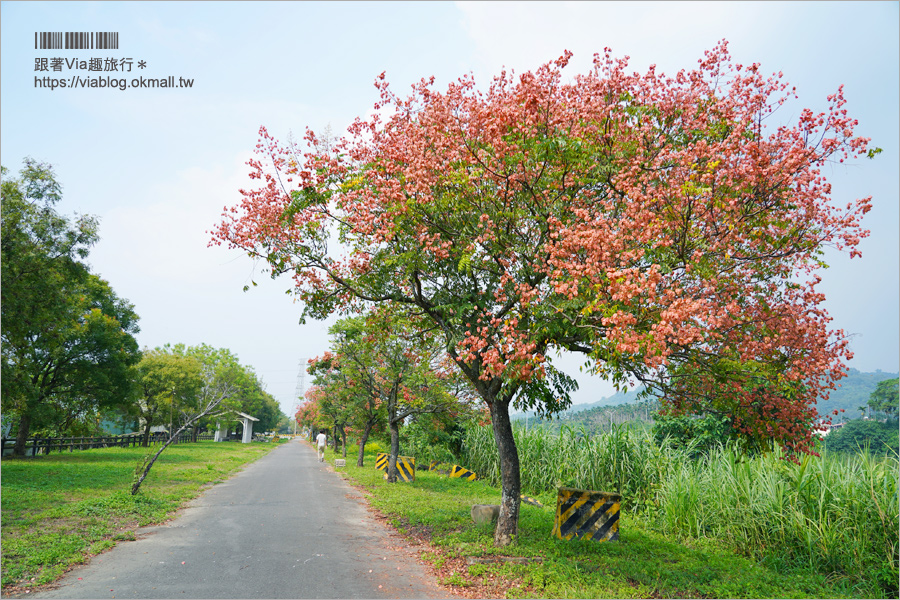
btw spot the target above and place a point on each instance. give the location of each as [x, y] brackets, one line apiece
[344, 442]
[508, 520]
[144, 468]
[498, 399]
[395, 451]
[141, 471]
[22, 434]
[362, 443]
[145, 442]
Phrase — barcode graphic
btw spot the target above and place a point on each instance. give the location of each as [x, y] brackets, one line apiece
[76, 40]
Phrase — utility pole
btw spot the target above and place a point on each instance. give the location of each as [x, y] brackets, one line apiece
[171, 405]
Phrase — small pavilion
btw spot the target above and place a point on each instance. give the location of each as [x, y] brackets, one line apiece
[245, 419]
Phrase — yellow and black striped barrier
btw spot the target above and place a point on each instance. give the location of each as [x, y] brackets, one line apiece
[461, 473]
[531, 501]
[587, 515]
[381, 461]
[406, 466]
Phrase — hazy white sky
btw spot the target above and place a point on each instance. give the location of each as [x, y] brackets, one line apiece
[158, 165]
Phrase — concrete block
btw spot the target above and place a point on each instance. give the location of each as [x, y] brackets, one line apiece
[485, 513]
[587, 515]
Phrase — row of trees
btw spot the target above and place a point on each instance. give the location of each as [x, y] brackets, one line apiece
[69, 356]
[653, 224]
[382, 369]
[198, 384]
[878, 434]
[173, 386]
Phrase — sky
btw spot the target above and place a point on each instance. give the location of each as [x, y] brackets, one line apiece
[158, 166]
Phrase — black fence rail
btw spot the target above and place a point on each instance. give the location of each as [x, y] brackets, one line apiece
[43, 446]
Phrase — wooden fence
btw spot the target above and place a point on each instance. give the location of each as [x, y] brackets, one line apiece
[37, 446]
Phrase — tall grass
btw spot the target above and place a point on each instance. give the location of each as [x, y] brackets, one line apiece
[835, 514]
[620, 461]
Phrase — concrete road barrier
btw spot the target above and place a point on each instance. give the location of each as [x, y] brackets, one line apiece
[461, 473]
[587, 515]
[406, 468]
[531, 501]
[381, 461]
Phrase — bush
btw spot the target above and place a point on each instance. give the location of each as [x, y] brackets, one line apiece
[623, 461]
[696, 435]
[432, 438]
[873, 436]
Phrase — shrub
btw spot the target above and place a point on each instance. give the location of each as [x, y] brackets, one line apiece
[871, 436]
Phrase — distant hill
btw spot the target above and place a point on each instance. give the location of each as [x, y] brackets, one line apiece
[626, 397]
[854, 391]
[596, 417]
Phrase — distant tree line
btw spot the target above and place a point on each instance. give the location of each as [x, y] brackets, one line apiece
[601, 419]
[876, 432]
[70, 361]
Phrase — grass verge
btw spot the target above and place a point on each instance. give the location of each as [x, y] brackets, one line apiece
[642, 564]
[61, 509]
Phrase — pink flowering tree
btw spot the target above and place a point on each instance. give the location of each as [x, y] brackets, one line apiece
[653, 223]
[347, 396]
[341, 400]
[333, 397]
[307, 414]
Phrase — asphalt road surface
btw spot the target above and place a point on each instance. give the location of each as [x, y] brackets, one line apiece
[284, 527]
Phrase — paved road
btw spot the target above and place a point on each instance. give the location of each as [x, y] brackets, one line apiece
[285, 527]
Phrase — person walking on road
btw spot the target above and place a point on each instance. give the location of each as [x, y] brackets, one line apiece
[320, 442]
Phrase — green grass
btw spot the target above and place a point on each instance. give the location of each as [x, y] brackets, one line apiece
[645, 562]
[59, 510]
